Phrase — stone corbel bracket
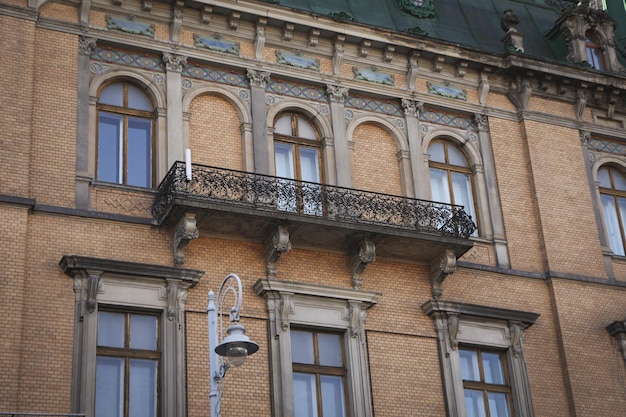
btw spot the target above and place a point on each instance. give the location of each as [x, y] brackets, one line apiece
[338, 54]
[388, 53]
[483, 88]
[259, 38]
[612, 97]
[363, 255]
[206, 14]
[617, 329]
[276, 244]
[93, 285]
[314, 37]
[412, 70]
[177, 19]
[233, 20]
[520, 92]
[357, 318]
[286, 309]
[440, 268]
[185, 231]
[580, 104]
[516, 329]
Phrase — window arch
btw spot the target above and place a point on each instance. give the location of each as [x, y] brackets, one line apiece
[593, 48]
[125, 139]
[612, 184]
[451, 176]
[298, 157]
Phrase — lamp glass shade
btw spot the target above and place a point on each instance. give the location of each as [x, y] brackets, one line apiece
[236, 346]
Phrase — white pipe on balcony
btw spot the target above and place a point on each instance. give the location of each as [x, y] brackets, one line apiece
[188, 163]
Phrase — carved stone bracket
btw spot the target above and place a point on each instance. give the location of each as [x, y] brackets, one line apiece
[314, 37]
[206, 14]
[585, 137]
[412, 108]
[482, 122]
[172, 300]
[453, 330]
[412, 70]
[186, 230]
[288, 31]
[86, 45]
[177, 20]
[233, 20]
[580, 104]
[337, 93]
[259, 38]
[357, 319]
[388, 53]
[364, 48]
[277, 243]
[258, 78]
[174, 62]
[483, 88]
[617, 329]
[461, 68]
[286, 309]
[338, 54]
[146, 5]
[364, 254]
[93, 283]
[440, 268]
[516, 331]
[520, 92]
[611, 102]
[438, 63]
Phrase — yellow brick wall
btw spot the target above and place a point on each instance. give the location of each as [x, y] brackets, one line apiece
[374, 161]
[214, 133]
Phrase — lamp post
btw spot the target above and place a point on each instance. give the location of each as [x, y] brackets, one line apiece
[235, 347]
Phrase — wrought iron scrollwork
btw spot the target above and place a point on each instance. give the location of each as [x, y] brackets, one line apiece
[310, 199]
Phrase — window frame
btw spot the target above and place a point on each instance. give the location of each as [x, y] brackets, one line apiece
[126, 113]
[593, 44]
[327, 309]
[615, 194]
[496, 329]
[299, 142]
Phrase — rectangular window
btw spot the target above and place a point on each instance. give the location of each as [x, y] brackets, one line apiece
[319, 374]
[127, 364]
[485, 383]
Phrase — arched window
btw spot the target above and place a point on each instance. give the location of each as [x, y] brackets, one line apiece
[451, 176]
[613, 196]
[595, 56]
[125, 136]
[297, 152]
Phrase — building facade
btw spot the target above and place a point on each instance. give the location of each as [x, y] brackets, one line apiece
[425, 202]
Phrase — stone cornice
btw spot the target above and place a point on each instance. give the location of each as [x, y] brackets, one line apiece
[478, 311]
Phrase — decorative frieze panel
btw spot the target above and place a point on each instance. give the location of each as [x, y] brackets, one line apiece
[130, 25]
[296, 90]
[446, 90]
[217, 43]
[215, 75]
[153, 63]
[373, 75]
[298, 60]
[375, 105]
[447, 119]
[601, 145]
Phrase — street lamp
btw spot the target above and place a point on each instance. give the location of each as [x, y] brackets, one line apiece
[235, 347]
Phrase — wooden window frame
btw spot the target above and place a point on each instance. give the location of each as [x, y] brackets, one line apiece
[125, 112]
[128, 353]
[298, 142]
[592, 43]
[615, 194]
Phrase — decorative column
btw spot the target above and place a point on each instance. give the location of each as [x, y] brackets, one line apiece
[337, 96]
[419, 170]
[493, 229]
[175, 148]
[262, 149]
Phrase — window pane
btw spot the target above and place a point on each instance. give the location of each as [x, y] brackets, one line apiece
[439, 185]
[109, 387]
[283, 126]
[142, 397]
[474, 403]
[612, 224]
[110, 329]
[304, 395]
[284, 160]
[302, 347]
[462, 189]
[329, 348]
[305, 129]
[603, 178]
[113, 95]
[498, 404]
[137, 99]
[456, 157]
[309, 165]
[139, 152]
[469, 365]
[109, 147]
[143, 332]
[492, 367]
[436, 152]
[332, 396]
[619, 181]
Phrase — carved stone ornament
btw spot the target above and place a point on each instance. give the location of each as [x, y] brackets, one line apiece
[453, 330]
[509, 21]
[259, 38]
[233, 20]
[388, 53]
[363, 255]
[258, 78]
[93, 283]
[337, 93]
[516, 331]
[314, 37]
[174, 62]
[520, 92]
[364, 48]
[206, 14]
[146, 6]
[412, 70]
[288, 31]
[580, 104]
[617, 329]
[86, 45]
[338, 54]
[357, 319]
[185, 232]
[483, 89]
[411, 107]
[286, 309]
[585, 137]
[482, 122]
[461, 68]
[277, 243]
[440, 268]
[177, 20]
[172, 300]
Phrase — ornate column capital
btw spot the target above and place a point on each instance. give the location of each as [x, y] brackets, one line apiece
[481, 121]
[174, 62]
[412, 107]
[86, 45]
[258, 78]
[336, 93]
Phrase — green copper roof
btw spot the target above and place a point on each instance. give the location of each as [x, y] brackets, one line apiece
[471, 23]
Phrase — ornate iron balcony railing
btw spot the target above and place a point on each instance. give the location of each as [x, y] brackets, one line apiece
[303, 198]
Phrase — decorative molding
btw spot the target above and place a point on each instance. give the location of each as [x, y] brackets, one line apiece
[411, 107]
[130, 25]
[174, 62]
[338, 54]
[275, 245]
[607, 146]
[461, 68]
[233, 20]
[314, 38]
[390, 107]
[288, 31]
[445, 90]
[447, 119]
[215, 75]
[86, 46]
[297, 90]
[438, 63]
[216, 42]
[515, 328]
[206, 14]
[298, 60]
[580, 104]
[364, 48]
[357, 319]
[151, 63]
[483, 89]
[373, 75]
[93, 284]
[363, 255]
[259, 38]
[258, 78]
[172, 300]
[388, 53]
[336, 93]
[286, 308]
[440, 268]
[519, 93]
[523, 318]
[366, 298]
[412, 70]
[186, 230]
[482, 122]
[177, 19]
[453, 330]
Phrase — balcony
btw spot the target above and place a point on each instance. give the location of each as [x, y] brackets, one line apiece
[251, 206]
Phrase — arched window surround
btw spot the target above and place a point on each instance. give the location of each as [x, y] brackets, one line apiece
[614, 164]
[595, 51]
